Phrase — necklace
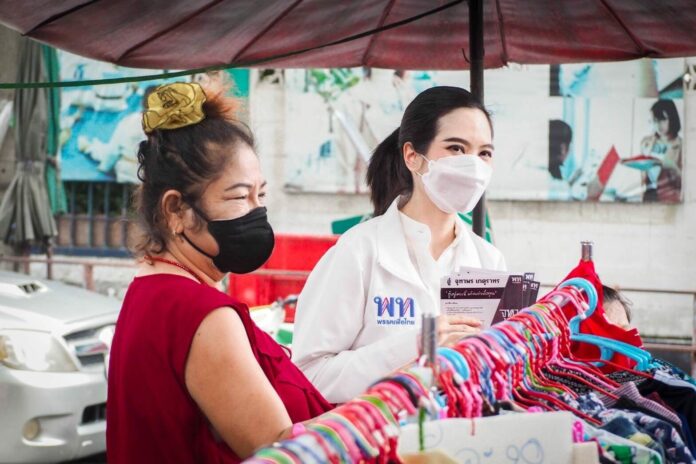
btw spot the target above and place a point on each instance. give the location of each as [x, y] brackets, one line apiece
[179, 265]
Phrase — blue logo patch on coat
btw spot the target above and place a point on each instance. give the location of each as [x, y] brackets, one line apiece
[395, 311]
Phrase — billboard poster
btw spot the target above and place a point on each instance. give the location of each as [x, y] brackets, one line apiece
[101, 124]
[578, 132]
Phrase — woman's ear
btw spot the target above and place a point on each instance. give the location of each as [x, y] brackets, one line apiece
[414, 161]
[173, 208]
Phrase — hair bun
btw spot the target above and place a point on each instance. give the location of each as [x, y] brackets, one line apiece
[173, 106]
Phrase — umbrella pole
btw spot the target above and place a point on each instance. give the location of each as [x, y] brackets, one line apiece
[476, 54]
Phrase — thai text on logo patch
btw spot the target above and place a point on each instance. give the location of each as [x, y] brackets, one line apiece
[395, 310]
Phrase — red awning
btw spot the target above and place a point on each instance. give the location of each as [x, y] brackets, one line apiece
[169, 34]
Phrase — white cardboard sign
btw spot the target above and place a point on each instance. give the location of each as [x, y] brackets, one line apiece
[535, 438]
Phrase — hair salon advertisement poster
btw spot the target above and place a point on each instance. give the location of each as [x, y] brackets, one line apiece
[572, 132]
[100, 125]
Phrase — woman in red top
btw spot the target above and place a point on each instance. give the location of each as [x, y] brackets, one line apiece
[191, 378]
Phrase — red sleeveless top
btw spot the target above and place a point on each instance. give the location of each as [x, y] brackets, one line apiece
[150, 415]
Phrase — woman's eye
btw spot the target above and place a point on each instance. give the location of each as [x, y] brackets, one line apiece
[456, 148]
[486, 154]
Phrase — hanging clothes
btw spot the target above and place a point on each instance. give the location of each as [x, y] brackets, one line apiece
[527, 365]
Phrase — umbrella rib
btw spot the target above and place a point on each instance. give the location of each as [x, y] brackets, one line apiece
[357, 36]
[168, 29]
[501, 28]
[248, 63]
[56, 16]
[258, 36]
[382, 20]
[639, 45]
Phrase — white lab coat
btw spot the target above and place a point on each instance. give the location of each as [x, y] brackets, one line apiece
[346, 337]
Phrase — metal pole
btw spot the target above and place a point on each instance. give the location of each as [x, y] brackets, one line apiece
[429, 339]
[586, 250]
[476, 54]
[693, 340]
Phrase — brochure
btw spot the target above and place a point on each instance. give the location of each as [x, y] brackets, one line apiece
[489, 296]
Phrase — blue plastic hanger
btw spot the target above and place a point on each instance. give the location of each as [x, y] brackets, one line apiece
[457, 361]
[607, 346]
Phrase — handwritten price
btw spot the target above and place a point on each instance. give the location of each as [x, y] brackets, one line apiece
[532, 452]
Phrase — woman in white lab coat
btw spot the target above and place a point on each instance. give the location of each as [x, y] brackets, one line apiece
[358, 315]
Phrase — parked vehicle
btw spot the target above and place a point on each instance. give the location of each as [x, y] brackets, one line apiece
[54, 349]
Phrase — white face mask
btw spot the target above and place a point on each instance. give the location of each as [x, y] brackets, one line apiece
[456, 183]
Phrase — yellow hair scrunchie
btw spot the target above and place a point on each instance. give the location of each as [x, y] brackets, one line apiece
[172, 106]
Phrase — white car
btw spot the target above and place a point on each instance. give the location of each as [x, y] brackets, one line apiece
[54, 348]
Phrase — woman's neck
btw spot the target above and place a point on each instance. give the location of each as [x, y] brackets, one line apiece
[441, 224]
[188, 267]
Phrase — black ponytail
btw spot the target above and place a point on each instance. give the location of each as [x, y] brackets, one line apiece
[387, 174]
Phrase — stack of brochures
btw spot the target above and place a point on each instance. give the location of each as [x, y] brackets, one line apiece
[490, 296]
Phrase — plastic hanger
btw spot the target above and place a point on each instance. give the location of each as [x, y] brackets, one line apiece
[457, 360]
[550, 312]
[498, 364]
[508, 359]
[459, 399]
[583, 310]
[545, 314]
[311, 441]
[478, 386]
[346, 450]
[528, 383]
[278, 455]
[518, 348]
[334, 454]
[607, 346]
[454, 396]
[390, 430]
[367, 416]
[303, 452]
[357, 446]
[394, 395]
[534, 332]
[363, 432]
[428, 398]
[554, 359]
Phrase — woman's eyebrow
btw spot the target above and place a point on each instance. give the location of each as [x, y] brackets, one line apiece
[245, 185]
[457, 140]
[238, 185]
[466, 142]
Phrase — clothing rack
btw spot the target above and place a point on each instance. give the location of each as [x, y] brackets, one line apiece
[511, 361]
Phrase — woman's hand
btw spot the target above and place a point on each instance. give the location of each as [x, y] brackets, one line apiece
[451, 329]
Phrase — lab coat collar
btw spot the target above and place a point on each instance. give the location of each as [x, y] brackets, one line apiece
[392, 250]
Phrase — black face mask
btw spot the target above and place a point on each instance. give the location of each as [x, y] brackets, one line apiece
[245, 243]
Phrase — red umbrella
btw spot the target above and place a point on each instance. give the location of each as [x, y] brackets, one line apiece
[431, 34]
[196, 33]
